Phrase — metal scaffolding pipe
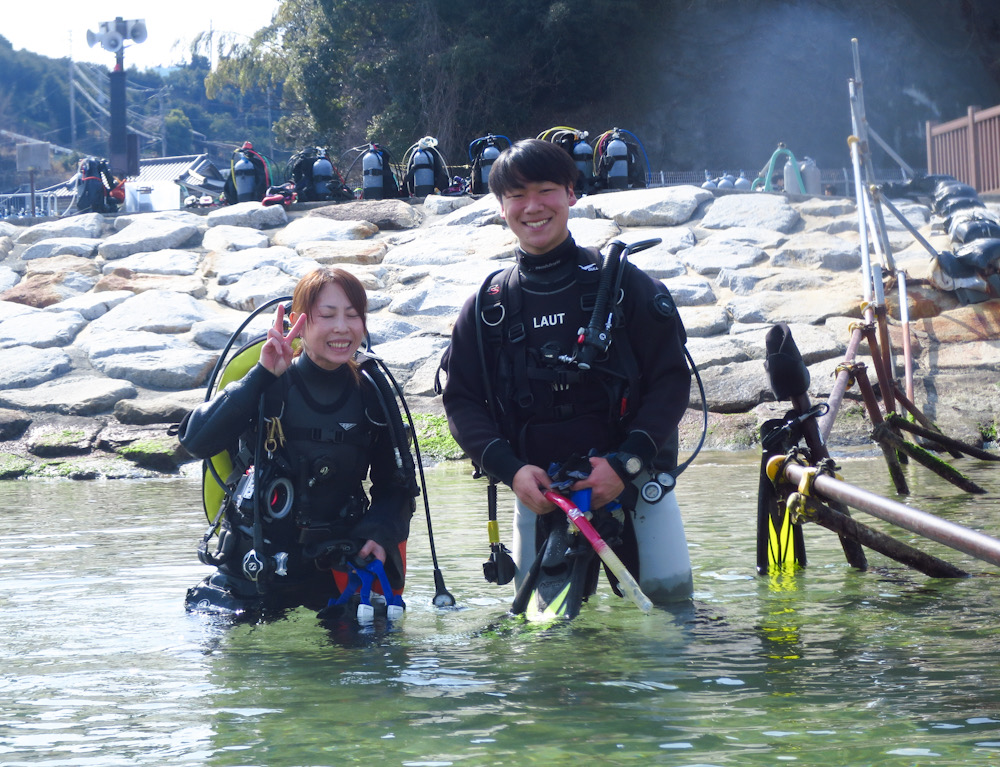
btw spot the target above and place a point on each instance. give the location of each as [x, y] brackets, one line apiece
[955, 536]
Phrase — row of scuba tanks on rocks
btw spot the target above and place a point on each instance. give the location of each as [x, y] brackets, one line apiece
[806, 181]
[615, 160]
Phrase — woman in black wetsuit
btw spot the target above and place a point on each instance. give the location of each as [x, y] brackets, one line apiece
[305, 428]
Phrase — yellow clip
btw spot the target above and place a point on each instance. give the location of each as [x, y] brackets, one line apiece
[275, 435]
[808, 477]
[493, 529]
[796, 508]
[850, 370]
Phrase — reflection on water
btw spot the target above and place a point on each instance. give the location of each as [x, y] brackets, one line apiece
[100, 665]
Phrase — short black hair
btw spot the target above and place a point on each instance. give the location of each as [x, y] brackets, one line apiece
[531, 160]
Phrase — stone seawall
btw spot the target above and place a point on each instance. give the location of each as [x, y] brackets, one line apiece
[111, 325]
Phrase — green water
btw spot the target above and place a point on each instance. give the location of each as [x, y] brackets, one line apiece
[100, 665]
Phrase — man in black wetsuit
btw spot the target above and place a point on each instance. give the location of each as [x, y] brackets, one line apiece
[514, 399]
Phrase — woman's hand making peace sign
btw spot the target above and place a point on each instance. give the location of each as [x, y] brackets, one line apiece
[276, 354]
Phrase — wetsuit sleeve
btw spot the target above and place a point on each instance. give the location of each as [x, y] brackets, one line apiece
[387, 521]
[217, 424]
[465, 402]
[657, 337]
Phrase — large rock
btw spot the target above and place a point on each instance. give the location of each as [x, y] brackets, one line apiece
[120, 279]
[759, 209]
[817, 249]
[44, 330]
[311, 229]
[711, 258]
[163, 369]
[251, 214]
[663, 206]
[85, 247]
[159, 311]
[41, 290]
[123, 220]
[25, 366]
[734, 387]
[229, 237]
[87, 225]
[256, 288]
[8, 279]
[73, 395]
[58, 436]
[167, 261]
[148, 234]
[383, 214]
[167, 408]
[229, 267]
[483, 212]
[332, 252]
[445, 245]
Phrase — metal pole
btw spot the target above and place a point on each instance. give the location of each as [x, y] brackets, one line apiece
[971, 542]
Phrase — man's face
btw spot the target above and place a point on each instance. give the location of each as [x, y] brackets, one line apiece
[538, 214]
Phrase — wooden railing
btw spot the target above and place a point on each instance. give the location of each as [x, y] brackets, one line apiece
[967, 148]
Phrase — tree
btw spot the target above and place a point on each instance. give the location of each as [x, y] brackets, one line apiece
[179, 132]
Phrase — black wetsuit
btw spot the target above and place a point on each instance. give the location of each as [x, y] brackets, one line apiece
[336, 435]
[568, 419]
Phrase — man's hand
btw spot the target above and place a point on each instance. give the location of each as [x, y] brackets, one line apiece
[604, 482]
[529, 484]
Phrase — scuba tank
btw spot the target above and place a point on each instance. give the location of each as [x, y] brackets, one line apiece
[372, 166]
[483, 152]
[617, 153]
[426, 169]
[616, 161]
[244, 178]
[423, 173]
[583, 156]
[322, 177]
[490, 154]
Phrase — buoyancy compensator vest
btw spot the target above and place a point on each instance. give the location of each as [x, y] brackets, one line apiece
[315, 176]
[533, 335]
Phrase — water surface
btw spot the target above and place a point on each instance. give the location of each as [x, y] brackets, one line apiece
[100, 665]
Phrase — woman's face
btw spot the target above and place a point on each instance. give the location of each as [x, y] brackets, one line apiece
[334, 329]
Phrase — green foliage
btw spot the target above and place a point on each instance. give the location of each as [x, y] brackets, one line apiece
[353, 71]
[179, 132]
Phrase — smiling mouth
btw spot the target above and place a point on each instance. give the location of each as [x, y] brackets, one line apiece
[536, 224]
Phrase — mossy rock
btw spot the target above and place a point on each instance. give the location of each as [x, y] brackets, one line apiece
[13, 466]
[435, 439]
[163, 454]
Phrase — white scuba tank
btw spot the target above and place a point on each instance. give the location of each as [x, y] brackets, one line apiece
[371, 167]
[322, 175]
[618, 172]
[243, 179]
[664, 562]
[488, 157]
[583, 156]
[423, 173]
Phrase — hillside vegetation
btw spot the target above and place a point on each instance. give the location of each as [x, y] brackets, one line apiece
[702, 83]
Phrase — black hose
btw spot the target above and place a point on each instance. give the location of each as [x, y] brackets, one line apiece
[442, 597]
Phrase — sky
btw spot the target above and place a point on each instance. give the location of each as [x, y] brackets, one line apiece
[59, 29]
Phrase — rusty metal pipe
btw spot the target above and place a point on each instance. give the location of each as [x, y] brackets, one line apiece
[955, 536]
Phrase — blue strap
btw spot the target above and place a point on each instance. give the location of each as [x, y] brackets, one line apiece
[361, 579]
